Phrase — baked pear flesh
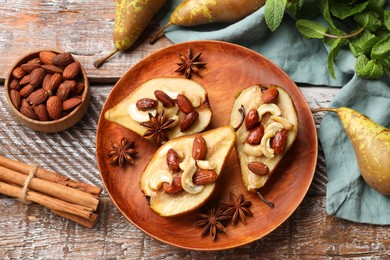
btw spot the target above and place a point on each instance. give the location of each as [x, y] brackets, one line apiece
[159, 96]
[179, 182]
[269, 130]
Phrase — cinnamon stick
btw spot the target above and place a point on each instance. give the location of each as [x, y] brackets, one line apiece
[89, 223]
[49, 188]
[47, 201]
[48, 176]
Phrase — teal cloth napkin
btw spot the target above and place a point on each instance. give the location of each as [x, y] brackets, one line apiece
[304, 61]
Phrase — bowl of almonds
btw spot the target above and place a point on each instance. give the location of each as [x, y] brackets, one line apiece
[48, 90]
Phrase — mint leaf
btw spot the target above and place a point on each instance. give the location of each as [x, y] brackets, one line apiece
[363, 43]
[381, 50]
[369, 20]
[333, 52]
[311, 29]
[376, 6]
[274, 12]
[368, 69]
[386, 19]
[342, 10]
[324, 7]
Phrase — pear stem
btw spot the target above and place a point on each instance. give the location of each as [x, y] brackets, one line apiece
[158, 34]
[242, 112]
[324, 109]
[98, 63]
[268, 203]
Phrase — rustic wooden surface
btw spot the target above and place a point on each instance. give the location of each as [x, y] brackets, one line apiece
[30, 231]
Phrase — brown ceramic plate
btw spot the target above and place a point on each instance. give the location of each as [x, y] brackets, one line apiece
[230, 68]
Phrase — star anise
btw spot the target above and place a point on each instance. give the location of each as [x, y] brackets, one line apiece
[122, 153]
[212, 221]
[238, 208]
[190, 63]
[157, 127]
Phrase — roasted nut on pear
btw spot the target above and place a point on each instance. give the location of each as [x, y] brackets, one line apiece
[151, 110]
[172, 193]
[271, 128]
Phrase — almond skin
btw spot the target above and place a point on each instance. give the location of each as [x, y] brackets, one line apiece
[54, 107]
[175, 187]
[41, 112]
[173, 160]
[270, 95]
[29, 67]
[46, 57]
[46, 82]
[251, 119]
[71, 71]
[71, 103]
[55, 81]
[25, 80]
[35, 61]
[203, 177]
[189, 120]
[63, 91]
[37, 77]
[145, 104]
[258, 168]
[79, 89]
[50, 68]
[166, 100]
[18, 73]
[26, 91]
[199, 148]
[184, 104]
[255, 135]
[37, 97]
[279, 141]
[15, 98]
[15, 84]
[28, 112]
[62, 59]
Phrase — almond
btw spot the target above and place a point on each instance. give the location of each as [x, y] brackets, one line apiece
[71, 103]
[251, 119]
[15, 84]
[46, 57]
[71, 71]
[184, 104]
[25, 103]
[199, 148]
[35, 61]
[55, 81]
[270, 95]
[258, 168]
[166, 100]
[37, 97]
[28, 67]
[52, 68]
[15, 98]
[79, 89]
[63, 91]
[189, 120]
[18, 73]
[54, 107]
[41, 112]
[25, 80]
[255, 135]
[279, 141]
[37, 77]
[175, 187]
[203, 177]
[71, 84]
[46, 82]
[173, 160]
[62, 59]
[145, 104]
[26, 91]
[28, 112]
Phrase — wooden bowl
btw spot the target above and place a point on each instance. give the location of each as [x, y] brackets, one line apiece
[57, 125]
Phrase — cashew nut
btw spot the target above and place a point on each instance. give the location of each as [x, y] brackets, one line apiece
[158, 178]
[269, 132]
[268, 108]
[138, 115]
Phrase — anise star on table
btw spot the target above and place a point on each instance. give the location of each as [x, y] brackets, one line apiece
[212, 221]
[122, 153]
[238, 208]
[157, 127]
[190, 63]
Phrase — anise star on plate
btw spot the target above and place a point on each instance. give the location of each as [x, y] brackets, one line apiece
[190, 63]
[212, 221]
[122, 153]
[157, 127]
[238, 208]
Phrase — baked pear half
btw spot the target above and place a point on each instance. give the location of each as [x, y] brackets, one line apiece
[268, 131]
[164, 108]
[182, 174]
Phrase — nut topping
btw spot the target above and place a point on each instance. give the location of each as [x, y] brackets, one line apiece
[255, 135]
[175, 187]
[173, 160]
[279, 141]
[199, 148]
[258, 168]
[184, 104]
[202, 177]
[145, 104]
[251, 119]
[166, 100]
[270, 95]
[189, 120]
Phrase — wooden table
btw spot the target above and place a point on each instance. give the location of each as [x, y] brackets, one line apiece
[30, 231]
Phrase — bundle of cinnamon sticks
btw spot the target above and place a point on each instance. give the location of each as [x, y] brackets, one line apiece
[67, 198]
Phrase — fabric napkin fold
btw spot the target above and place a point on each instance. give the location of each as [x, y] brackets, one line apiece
[348, 196]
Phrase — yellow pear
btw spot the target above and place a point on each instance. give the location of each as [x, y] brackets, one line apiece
[371, 143]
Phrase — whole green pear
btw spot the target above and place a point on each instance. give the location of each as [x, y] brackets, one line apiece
[371, 143]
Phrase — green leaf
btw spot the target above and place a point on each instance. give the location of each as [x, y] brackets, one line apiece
[386, 19]
[324, 7]
[363, 44]
[381, 50]
[333, 52]
[369, 20]
[311, 29]
[376, 6]
[342, 10]
[368, 69]
[274, 12]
